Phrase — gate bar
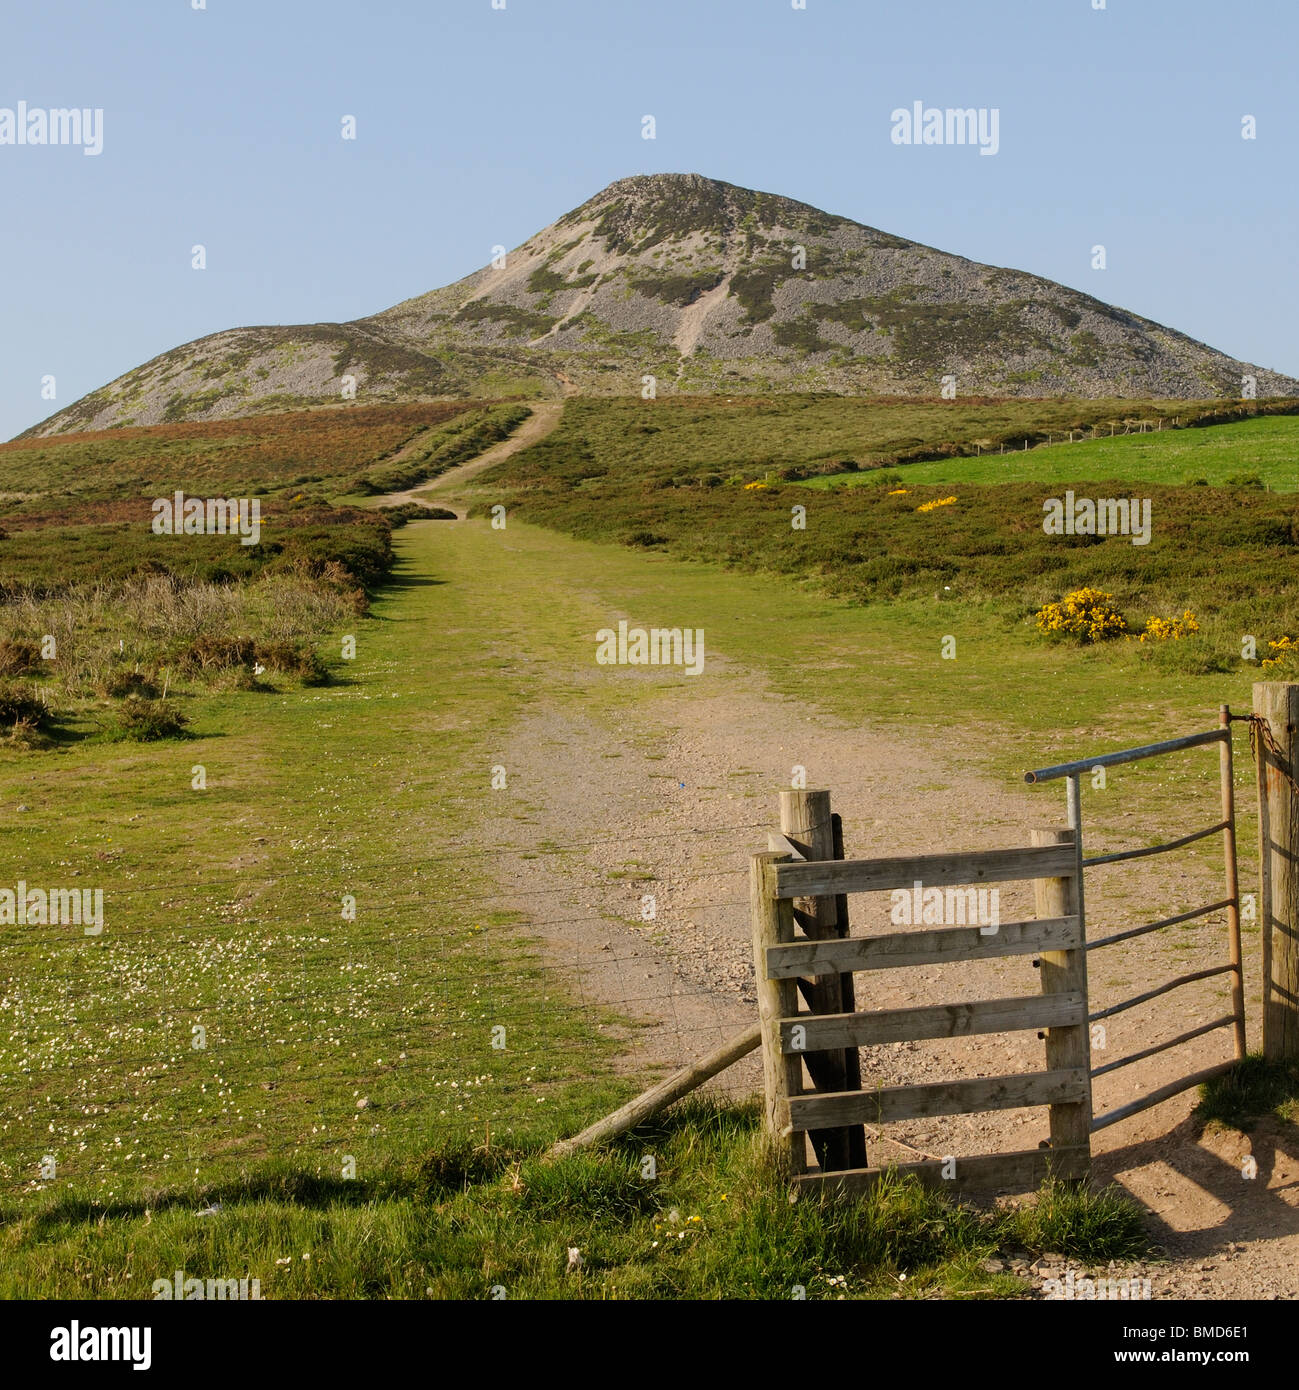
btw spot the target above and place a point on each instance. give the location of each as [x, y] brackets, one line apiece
[1156, 849]
[1128, 755]
[1174, 1088]
[1164, 1046]
[1163, 989]
[1154, 926]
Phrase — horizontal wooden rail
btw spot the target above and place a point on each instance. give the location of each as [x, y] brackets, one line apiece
[1226, 1021]
[1155, 849]
[1174, 1088]
[1022, 1171]
[1128, 755]
[1163, 989]
[828, 877]
[1155, 926]
[1064, 1086]
[829, 1032]
[834, 957]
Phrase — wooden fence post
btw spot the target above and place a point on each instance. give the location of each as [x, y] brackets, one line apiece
[1278, 703]
[1064, 972]
[782, 1074]
[805, 819]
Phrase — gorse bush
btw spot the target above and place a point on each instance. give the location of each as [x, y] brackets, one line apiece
[122, 684]
[1085, 615]
[18, 657]
[147, 721]
[20, 706]
[1170, 629]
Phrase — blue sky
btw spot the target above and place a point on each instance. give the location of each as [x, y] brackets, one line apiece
[476, 126]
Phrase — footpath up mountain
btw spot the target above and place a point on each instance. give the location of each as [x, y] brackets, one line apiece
[706, 287]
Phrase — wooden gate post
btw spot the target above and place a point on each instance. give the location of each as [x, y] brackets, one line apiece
[782, 1073]
[805, 819]
[1065, 972]
[1278, 703]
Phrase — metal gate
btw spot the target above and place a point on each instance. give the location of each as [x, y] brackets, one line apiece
[1226, 827]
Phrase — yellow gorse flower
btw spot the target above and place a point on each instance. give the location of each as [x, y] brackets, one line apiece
[937, 502]
[1089, 615]
[1165, 629]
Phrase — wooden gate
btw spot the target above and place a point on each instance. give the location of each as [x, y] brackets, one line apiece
[797, 1106]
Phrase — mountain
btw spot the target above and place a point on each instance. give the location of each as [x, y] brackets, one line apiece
[706, 287]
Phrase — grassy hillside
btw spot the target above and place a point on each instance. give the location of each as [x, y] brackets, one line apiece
[680, 479]
[1266, 449]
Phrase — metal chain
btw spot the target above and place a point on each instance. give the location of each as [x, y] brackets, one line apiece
[1260, 728]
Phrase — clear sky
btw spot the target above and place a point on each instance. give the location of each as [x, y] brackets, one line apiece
[477, 126]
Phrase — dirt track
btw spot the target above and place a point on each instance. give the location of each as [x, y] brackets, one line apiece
[545, 416]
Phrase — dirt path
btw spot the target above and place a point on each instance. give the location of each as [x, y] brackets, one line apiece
[545, 416]
[672, 804]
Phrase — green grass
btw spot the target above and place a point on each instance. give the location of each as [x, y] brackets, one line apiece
[713, 1221]
[687, 437]
[1251, 1090]
[1267, 448]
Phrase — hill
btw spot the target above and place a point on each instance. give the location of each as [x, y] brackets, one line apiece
[707, 287]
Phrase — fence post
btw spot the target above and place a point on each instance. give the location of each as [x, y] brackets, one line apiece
[782, 1074]
[1278, 703]
[805, 818]
[852, 1056]
[1063, 972]
[1227, 777]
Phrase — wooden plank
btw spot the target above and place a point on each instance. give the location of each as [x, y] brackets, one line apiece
[772, 921]
[659, 1097]
[1022, 1171]
[939, 1098]
[782, 844]
[831, 876]
[922, 947]
[936, 1021]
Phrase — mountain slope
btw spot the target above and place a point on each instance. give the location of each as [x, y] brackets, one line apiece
[705, 287]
